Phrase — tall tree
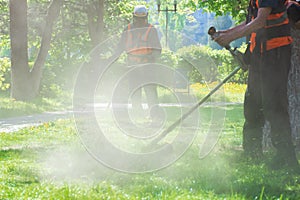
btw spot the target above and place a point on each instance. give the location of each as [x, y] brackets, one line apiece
[25, 80]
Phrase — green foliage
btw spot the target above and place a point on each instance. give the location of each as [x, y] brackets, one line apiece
[236, 8]
[4, 73]
[168, 58]
[4, 45]
[197, 60]
[4, 18]
[208, 65]
[55, 92]
[229, 64]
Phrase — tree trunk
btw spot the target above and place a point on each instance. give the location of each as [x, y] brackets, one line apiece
[294, 88]
[36, 73]
[19, 46]
[95, 14]
[25, 83]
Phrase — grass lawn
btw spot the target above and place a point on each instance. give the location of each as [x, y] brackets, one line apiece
[10, 107]
[49, 162]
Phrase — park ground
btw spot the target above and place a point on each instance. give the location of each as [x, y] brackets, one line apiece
[48, 161]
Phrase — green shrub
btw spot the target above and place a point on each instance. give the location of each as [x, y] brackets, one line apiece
[208, 65]
[197, 60]
[4, 74]
[168, 58]
[229, 64]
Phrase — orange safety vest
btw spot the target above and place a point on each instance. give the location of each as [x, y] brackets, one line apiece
[137, 46]
[276, 32]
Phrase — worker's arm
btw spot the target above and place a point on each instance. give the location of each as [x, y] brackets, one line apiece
[242, 30]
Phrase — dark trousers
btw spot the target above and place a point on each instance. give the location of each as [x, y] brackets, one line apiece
[142, 79]
[266, 99]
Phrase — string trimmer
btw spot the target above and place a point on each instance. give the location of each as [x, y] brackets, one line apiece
[238, 57]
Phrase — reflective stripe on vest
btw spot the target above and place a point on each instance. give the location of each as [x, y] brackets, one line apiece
[136, 48]
[277, 19]
[276, 33]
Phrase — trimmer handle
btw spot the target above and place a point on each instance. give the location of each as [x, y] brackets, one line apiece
[213, 34]
[212, 31]
[237, 55]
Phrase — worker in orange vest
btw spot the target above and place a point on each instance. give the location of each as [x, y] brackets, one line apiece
[141, 43]
[266, 96]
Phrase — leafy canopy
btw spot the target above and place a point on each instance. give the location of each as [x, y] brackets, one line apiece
[236, 8]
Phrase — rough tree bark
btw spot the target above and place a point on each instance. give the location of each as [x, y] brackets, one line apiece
[25, 82]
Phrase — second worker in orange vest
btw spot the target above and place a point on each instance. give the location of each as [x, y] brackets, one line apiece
[141, 43]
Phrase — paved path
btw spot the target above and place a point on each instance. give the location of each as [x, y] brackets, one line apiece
[16, 123]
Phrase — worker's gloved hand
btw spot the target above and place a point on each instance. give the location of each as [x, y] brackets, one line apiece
[237, 55]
